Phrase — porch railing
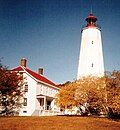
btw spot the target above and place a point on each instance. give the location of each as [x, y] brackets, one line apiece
[48, 113]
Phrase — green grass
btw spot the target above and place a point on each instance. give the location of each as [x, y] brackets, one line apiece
[57, 123]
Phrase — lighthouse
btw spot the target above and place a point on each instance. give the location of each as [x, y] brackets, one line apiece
[91, 55]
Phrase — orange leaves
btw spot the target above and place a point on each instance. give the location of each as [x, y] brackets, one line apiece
[100, 93]
[66, 96]
[113, 91]
[91, 90]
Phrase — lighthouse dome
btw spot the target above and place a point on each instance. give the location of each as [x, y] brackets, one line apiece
[91, 20]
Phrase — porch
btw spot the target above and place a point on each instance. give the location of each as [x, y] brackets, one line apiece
[45, 106]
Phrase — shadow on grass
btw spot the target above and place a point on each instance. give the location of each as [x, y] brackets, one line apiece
[114, 118]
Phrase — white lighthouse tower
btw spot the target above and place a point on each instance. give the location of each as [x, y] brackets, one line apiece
[91, 55]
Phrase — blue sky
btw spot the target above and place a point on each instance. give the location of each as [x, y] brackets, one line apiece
[47, 34]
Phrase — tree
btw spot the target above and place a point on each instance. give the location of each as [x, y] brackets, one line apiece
[102, 94]
[66, 96]
[10, 91]
[92, 90]
[113, 92]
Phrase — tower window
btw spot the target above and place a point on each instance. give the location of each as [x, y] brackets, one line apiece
[92, 65]
[92, 42]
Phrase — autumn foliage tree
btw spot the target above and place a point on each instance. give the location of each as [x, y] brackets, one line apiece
[89, 90]
[101, 93]
[113, 92]
[92, 90]
[10, 91]
[66, 96]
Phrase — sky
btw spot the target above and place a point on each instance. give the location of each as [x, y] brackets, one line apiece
[47, 33]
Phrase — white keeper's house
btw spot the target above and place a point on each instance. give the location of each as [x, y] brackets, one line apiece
[39, 97]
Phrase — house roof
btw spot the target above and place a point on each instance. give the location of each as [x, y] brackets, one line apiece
[19, 68]
[38, 77]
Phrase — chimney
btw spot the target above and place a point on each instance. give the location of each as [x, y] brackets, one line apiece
[40, 71]
[23, 62]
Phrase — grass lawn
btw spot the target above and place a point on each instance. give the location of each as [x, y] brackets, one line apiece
[58, 123]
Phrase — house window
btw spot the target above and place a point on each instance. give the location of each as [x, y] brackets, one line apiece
[24, 111]
[26, 88]
[21, 73]
[25, 102]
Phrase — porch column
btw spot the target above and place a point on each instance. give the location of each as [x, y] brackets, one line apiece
[44, 102]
